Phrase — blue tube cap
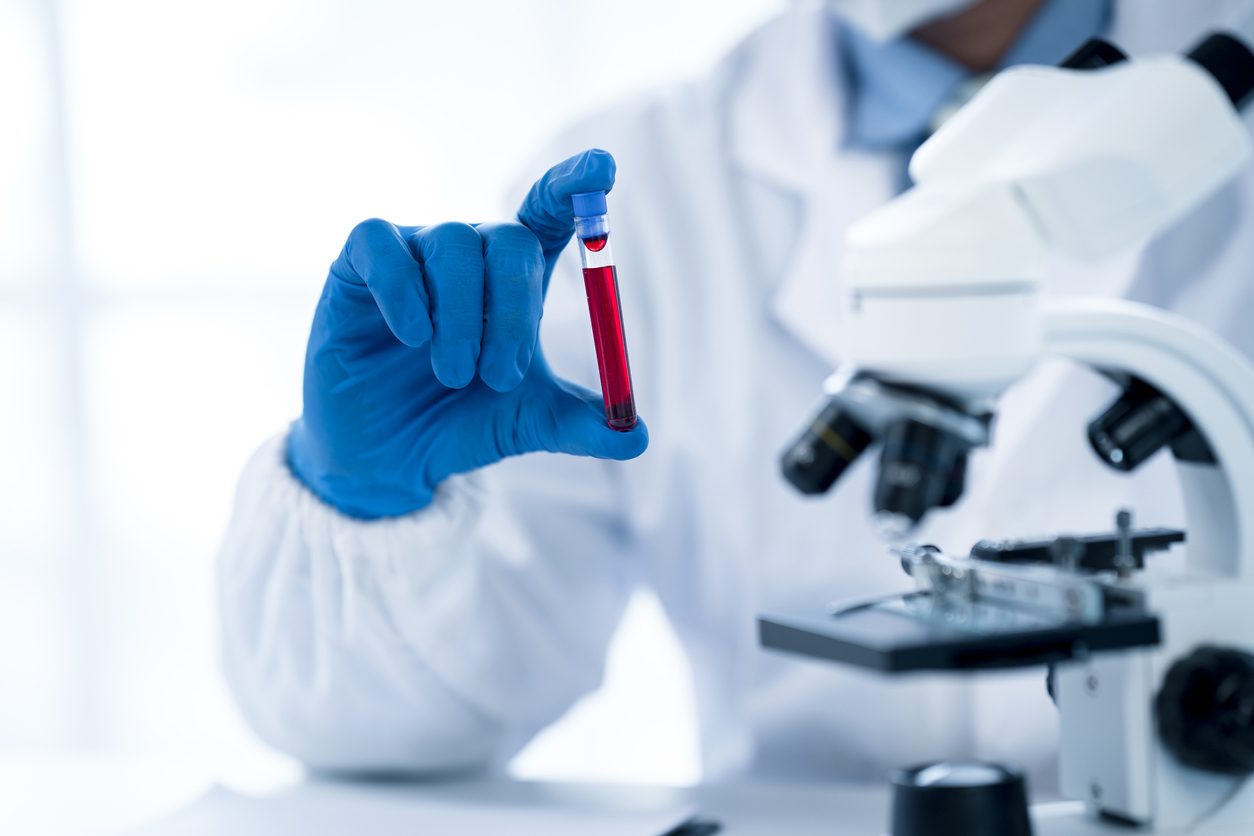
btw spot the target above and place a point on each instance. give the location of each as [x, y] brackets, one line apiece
[589, 204]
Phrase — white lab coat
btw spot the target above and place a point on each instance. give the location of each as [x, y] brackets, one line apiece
[447, 638]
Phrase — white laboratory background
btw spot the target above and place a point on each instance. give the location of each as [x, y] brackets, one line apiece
[175, 178]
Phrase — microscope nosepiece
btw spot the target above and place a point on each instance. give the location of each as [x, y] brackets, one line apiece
[925, 436]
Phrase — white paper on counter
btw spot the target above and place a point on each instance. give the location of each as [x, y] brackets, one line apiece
[344, 811]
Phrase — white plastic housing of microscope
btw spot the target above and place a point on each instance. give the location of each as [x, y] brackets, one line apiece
[942, 284]
[943, 290]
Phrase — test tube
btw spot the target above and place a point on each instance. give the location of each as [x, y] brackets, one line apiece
[600, 281]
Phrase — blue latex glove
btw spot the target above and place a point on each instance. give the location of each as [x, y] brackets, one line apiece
[423, 359]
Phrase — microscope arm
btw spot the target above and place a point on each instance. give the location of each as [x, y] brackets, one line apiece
[1208, 607]
[1209, 381]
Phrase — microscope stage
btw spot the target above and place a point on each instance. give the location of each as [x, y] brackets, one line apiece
[913, 632]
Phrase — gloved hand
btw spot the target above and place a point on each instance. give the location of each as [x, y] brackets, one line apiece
[423, 360]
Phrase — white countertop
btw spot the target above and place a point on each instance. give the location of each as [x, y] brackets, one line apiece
[75, 795]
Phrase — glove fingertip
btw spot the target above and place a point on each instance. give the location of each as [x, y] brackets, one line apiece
[593, 170]
[404, 308]
[415, 333]
[547, 209]
[499, 376]
[597, 167]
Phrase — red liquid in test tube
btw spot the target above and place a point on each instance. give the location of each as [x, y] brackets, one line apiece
[600, 278]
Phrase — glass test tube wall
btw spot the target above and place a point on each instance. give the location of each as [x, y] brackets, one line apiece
[600, 279]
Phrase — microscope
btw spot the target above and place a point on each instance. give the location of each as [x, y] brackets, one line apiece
[1153, 675]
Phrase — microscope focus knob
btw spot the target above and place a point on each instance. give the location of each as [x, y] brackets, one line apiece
[1206, 710]
[960, 798]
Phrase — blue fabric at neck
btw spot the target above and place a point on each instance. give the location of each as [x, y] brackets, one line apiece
[896, 86]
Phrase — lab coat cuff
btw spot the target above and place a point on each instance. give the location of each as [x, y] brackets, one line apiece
[418, 545]
[417, 569]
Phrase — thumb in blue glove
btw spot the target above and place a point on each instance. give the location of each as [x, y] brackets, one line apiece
[423, 358]
[548, 210]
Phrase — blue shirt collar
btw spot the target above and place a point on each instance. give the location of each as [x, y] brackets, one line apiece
[895, 87]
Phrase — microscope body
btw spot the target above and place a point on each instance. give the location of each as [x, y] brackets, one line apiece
[942, 286]
[944, 310]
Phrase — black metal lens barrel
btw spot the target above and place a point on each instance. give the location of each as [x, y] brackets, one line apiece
[916, 466]
[823, 451]
[1136, 426]
[955, 481]
[1229, 62]
[1094, 54]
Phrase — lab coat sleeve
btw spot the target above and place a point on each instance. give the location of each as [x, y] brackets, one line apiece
[441, 640]
[444, 639]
